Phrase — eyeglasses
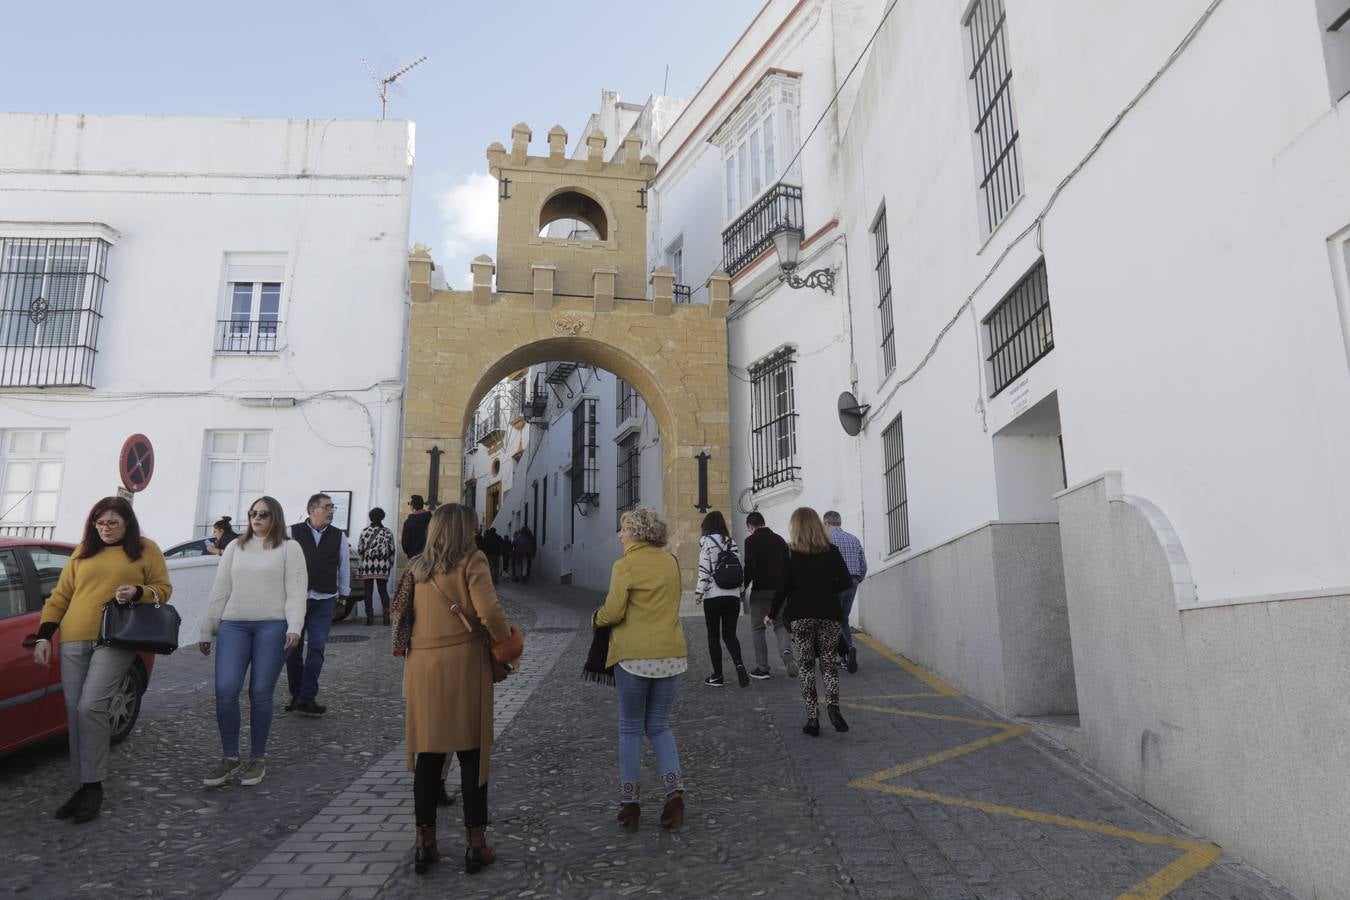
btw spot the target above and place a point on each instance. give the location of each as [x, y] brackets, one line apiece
[325, 506]
[259, 514]
[105, 526]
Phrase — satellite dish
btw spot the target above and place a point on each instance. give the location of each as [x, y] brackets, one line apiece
[851, 413]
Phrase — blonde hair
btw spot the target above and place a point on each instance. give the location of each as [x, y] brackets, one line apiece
[807, 532]
[645, 525]
[450, 540]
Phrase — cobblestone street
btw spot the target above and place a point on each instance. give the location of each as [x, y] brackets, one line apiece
[928, 796]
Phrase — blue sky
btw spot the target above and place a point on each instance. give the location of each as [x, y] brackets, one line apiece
[490, 66]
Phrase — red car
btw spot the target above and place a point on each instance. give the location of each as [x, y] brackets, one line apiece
[32, 706]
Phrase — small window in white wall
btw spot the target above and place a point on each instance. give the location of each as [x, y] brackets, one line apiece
[882, 252]
[31, 466]
[989, 74]
[1333, 19]
[234, 475]
[251, 319]
[897, 491]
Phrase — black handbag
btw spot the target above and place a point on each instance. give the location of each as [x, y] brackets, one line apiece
[143, 627]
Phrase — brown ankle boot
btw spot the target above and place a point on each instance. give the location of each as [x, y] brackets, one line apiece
[629, 814]
[672, 814]
[424, 849]
[478, 854]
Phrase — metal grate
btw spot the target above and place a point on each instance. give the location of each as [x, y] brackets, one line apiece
[628, 482]
[681, 293]
[897, 492]
[1019, 329]
[773, 439]
[883, 257]
[347, 638]
[778, 208]
[51, 307]
[246, 335]
[995, 126]
[585, 453]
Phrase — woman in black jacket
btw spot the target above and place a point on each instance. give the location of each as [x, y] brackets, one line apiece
[808, 598]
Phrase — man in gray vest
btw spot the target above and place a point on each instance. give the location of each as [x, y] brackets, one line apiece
[326, 558]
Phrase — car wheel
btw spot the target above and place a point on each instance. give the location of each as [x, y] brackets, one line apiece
[125, 706]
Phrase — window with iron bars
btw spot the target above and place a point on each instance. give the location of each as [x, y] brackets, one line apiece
[883, 257]
[1019, 329]
[627, 402]
[51, 306]
[585, 453]
[469, 495]
[897, 492]
[773, 439]
[628, 483]
[995, 125]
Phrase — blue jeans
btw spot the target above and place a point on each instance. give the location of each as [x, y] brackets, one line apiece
[239, 644]
[306, 661]
[644, 708]
[846, 604]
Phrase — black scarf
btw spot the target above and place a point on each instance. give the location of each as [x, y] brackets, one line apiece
[595, 668]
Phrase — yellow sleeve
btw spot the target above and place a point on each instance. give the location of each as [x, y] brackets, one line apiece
[616, 602]
[54, 610]
[155, 571]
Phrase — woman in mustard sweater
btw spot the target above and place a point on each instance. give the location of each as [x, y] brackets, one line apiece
[113, 562]
[648, 653]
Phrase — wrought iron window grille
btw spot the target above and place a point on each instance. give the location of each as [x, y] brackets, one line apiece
[995, 129]
[627, 405]
[682, 292]
[773, 435]
[883, 268]
[628, 481]
[247, 336]
[1019, 328]
[51, 308]
[585, 455]
[897, 491]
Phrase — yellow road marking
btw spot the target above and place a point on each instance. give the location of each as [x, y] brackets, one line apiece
[1197, 855]
[909, 666]
[920, 696]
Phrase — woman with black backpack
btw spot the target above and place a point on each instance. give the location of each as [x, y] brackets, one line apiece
[719, 592]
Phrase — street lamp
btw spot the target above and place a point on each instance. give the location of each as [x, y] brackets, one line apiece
[787, 243]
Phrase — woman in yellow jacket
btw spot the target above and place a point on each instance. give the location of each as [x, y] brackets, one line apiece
[113, 562]
[648, 653]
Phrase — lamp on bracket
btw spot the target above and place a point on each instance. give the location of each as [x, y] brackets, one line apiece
[787, 243]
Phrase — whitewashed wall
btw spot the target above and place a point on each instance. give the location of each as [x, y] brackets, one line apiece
[331, 196]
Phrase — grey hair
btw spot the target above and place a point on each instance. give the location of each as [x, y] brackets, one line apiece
[316, 501]
[832, 518]
[645, 525]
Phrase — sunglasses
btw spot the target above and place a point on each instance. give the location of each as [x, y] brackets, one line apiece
[259, 514]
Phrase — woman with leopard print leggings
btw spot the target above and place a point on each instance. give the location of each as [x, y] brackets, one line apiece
[808, 598]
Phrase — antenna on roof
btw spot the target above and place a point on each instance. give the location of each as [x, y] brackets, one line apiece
[382, 84]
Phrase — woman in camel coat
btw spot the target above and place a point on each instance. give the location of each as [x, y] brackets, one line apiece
[448, 679]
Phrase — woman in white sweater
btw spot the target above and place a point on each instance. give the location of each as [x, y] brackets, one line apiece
[255, 614]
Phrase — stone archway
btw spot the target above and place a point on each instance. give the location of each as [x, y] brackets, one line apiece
[463, 342]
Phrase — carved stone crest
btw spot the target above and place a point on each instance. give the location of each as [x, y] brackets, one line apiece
[571, 324]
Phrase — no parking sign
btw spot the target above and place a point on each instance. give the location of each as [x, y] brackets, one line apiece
[136, 463]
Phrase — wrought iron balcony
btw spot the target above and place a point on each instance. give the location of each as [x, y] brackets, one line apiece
[778, 208]
[247, 335]
[491, 422]
[534, 404]
[681, 293]
[51, 307]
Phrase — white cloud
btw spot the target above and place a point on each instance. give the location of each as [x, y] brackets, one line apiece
[469, 224]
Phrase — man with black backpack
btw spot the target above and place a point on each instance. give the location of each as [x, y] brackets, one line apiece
[720, 577]
[766, 556]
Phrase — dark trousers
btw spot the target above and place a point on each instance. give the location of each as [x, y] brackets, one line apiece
[382, 585]
[305, 661]
[427, 785]
[720, 614]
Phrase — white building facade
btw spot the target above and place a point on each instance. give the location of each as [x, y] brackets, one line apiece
[1090, 294]
[233, 289]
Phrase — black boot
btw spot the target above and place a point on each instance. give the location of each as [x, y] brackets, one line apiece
[91, 801]
[67, 809]
[836, 719]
